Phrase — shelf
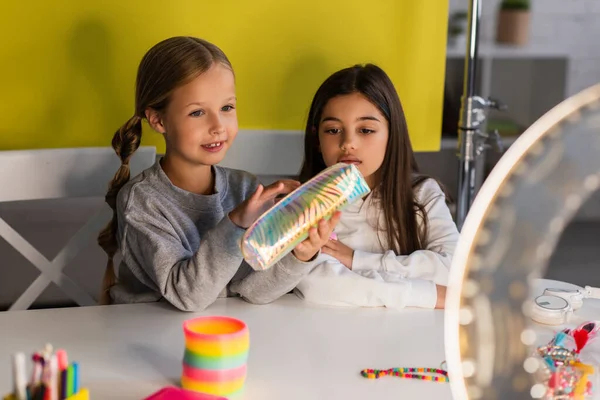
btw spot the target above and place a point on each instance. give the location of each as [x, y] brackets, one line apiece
[487, 50]
[449, 143]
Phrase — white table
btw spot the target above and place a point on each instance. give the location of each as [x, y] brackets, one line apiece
[297, 351]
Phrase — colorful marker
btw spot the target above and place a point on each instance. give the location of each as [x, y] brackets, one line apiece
[64, 387]
[75, 367]
[53, 383]
[70, 380]
[63, 364]
[19, 376]
[63, 361]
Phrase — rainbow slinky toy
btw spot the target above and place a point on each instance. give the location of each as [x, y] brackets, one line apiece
[216, 352]
[287, 223]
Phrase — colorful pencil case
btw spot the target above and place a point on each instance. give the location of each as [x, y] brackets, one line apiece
[287, 223]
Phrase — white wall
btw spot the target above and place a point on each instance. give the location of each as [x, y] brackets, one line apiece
[572, 25]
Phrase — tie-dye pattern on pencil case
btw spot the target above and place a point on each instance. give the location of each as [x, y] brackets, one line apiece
[287, 223]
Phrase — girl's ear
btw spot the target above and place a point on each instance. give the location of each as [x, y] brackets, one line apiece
[155, 121]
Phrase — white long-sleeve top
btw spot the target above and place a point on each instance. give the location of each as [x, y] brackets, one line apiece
[379, 277]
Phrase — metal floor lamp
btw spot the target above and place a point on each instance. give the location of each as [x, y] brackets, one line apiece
[473, 140]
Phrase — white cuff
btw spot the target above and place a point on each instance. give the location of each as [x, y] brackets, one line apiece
[422, 294]
[365, 261]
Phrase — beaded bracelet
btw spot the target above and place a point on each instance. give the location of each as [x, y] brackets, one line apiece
[408, 373]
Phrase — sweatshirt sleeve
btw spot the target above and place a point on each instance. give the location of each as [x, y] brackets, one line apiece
[262, 287]
[189, 281]
[432, 263]
[331, 283]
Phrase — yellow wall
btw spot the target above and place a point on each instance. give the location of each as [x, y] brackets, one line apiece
[67, 67]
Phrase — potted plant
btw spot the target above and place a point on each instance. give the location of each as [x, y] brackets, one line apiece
[513, 22]
[457, 29]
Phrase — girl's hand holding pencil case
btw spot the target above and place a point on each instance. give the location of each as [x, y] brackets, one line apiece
[286, 224]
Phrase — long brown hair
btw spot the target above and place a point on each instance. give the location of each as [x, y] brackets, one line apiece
[165, 67]
[396, 188]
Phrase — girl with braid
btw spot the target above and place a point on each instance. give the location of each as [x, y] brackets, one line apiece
[178, 224]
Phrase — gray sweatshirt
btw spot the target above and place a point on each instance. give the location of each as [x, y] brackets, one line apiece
[183, 248]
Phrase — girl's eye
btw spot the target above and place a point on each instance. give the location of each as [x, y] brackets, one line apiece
[197, 113]
[366, 131]
[227, 108]
[332, 131]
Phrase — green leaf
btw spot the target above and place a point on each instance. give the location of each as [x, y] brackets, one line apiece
[515, 5]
